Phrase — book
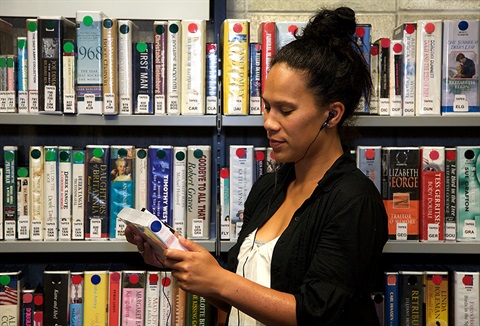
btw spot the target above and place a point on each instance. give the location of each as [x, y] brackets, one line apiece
[193, 67]
[76, 299]
[160, 44]
[369, 161]
[450, 194]
[466, 298]
[378, 299]
[50, 193]
[267, 37]
[32, 64]
[114, 298]
[255, 53]
[411, 297]
[392, 298]
[127, 34]
[56, 291]
[36, 172]
[110, 66]
[167, 299]
[396, 83]
[11, 94]
[460, 67]
[401, 191]
[69, 77]
[78, 194]
[234, 42]
[141, 174]
[27, 307]
[11, 284]
[160, 174]
[10, 166]
[95, 293]
[89, 62]
[179, 186]
[133, 298]
[199, 162]
[362, 39]
[65, 192]
[212, 83]
[432, 193]
[23, 204]
[174, 64]
[97, 159]
[375, 73]
[1, 203]
[3, 84]
[286, 32]
[384, 75]
[225, 224]
[22, 75]
[436, 298]
[428, 71]
[180, 306]
[198, 310]
[38, 308]
[142, 63]
[153, 288]
[259, 154]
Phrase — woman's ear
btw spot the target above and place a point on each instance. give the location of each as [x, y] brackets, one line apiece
[335, 113]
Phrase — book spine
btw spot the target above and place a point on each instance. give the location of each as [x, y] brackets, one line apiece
[193, 58]
[36, 172]
[3, 84]
[436, 298]
[212, 79]
[114, 298]
[97, 185]
[401, 191]
[160, 173]
[89, 62]
[167, 300]
[141, 178]
[384, 75]
[395, 91]
[198, 191]
[271, 161]
[32, 64]
[286, 31]
[235, 66]
[392, 296]
[179, 189]
[152, 298]
[460, 67]
[76, 299]
[65, 192]
[133, 298]
[38, 309]
[69, 77]
[50, 193]
[468, 189]
[192, 312]
[225, 233]
[369, 161]
[428, 73]
[267, 36]
[22, 75]
[180, 306]
[142, 62]
[10, 156]
[23, 204]
[11, 284]
[375, 73]
[255, 53]
[160, 45]
[466, 295]
[110, 66]
[259, 154]
[11, 94]
[78, 194]
[411, 298]
[95, 293]
[122, 186]
[174, 77]
[56, 297]
[127, 31]
[27, 307]
[450, 194]
[362, 38]
[1, 204]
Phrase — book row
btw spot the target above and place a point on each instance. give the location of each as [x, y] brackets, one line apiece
[140, 298]
[99, 65]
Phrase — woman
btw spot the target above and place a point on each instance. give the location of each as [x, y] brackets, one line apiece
[313, 231]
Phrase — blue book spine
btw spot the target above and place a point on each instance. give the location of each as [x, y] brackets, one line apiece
[255, 78]
[142, 62]
[160, 174]
[212, 79]
[391, 299]
[362, 39]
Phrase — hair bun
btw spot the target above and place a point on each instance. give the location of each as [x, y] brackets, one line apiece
[327, 24]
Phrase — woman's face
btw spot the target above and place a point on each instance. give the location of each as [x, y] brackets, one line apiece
[291, 118]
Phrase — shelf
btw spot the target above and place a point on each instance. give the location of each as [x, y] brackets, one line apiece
[114, 120]
[413, 247]
[78, 246]
[374, 121]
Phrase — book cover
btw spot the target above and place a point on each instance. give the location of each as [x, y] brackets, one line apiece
[193, 67]
[110, 66]
[167, 299]
[174, 64]
[198, 191]
[23, 204]
[179, 210]
[432, 193]
[460, 93]
[436, 298]
[78, 194]
[267, 37]
[38, 308]
[411, 298]
[396, 83]
[375, 73]
[1, 204]
[235, 40]
[450, 194]
[384, 75]
[142, 75]
[36, 172]
[259, 154]
[255, 56]
[114, 298]
[466, 298]
[407, 33]
[122, 186]
[89, 62]
[160, 174]
[369, 161]
[51, 32]
[95, 312]
[65, 192]
[401, 191]
[392, 298]
[69, 77]
[212, 82]
[11, 284]
[225, 224]
[97, 190]
[429, 64]
[22, 75]
[50, 193]
[27, 307]
[76, 299]
[127, 34]
[362, 39]
[10, 166]
[286, 32]
[468, 193]
[133, 298]
[152, 298]
[11, 95]
[198, 310]
[32, 64]
[160, 44]
[141, 177]
[180, 297]
[56, 291]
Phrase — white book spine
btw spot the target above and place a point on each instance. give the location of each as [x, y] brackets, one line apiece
[110, 66]
[23, 204]
[409, 68]
[193, 58]
[22, 75]
[69, 77]
[78, 194]
[167, 302]
[179, 189]
[152, 298]
[36, 167]
[126, 31]
[65, 192]
[50, 193]
[32, 65]
[466, 298]
[174, 66]
[141, 178]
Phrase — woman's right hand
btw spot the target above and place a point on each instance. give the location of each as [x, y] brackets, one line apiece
[149, 255]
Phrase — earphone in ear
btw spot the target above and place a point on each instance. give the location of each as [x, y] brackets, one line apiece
[331, 115]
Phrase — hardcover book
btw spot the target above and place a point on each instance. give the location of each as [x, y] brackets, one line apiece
[56, 291]
[133, 298]
[160, 45]
[23, 204]
[160, 175]
[110, 66]
[10, 158]
[142, 63]
[36, 172]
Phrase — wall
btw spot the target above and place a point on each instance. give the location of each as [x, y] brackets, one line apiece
[384, 15]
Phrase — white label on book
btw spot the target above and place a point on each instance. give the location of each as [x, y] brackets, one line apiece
[197, 225]
[432, 232]
[179, 226]
[3, 102]
[11, 102]
[89, 102]
[36, 230]
[255, 106]
[120, 229]
[235, 105]
[95, 228]
[450, 231]
[108, 103]
[469, 230]
[10, 230]
[68, 103]
[193, 104]
[23, 227]
[384, 106]
[65, 229]
[125, 105]
[173, 104]
[77, 231]
[401, 231]
[225, 230]
[50, 99]
[160, 105]
[409, 108]
[460, 103]
[212, 102]
[22, 102]
[50, 230]
[142, 106]
[428, 106]
[33, 101]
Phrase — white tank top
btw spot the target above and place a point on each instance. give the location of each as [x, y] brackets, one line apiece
[254, 261]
